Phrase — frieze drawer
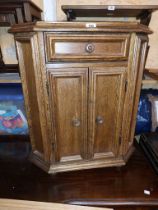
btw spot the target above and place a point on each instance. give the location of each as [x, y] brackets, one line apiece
[98, 47]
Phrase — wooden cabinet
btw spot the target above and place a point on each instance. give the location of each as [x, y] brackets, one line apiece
[18, 11]
[81, 88]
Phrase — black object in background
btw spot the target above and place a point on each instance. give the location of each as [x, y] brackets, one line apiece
[149, 145]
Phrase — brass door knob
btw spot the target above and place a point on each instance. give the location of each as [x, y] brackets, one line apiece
[76, 122]
[90, 48]
[99, 120]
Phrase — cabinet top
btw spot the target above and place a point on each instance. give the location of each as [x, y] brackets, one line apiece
[109, 27]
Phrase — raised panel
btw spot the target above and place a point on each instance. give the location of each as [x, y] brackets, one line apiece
[68, 87]
[70, 47]
[107, 91]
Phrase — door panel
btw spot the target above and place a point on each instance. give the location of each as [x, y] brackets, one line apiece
[107, 91]
[68, 92]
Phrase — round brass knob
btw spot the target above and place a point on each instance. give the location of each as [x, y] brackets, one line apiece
[76, 122]
[99, 120]
[90, 48]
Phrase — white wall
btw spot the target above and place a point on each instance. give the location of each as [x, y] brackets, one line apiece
[49, 10]
[7, 46]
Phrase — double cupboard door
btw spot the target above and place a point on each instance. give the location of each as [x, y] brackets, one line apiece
[86, 111]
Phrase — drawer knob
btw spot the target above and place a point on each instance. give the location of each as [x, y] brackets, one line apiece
[99, 120]
[76, 122]
[90, 48]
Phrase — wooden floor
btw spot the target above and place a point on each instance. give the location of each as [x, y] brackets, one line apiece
[121, 188]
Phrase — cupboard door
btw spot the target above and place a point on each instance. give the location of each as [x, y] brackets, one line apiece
[107, 92]
[68, 92]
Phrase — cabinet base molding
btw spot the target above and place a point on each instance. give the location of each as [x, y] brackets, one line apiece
[129, 153]
[74, 166]
[39, 161]
[89, 164]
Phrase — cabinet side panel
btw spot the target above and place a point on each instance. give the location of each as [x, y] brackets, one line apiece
[135, 72]
[141, 66]
[30, 92]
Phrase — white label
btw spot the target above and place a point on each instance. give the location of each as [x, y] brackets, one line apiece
[146, 192]
[111, 7]
[91, 25]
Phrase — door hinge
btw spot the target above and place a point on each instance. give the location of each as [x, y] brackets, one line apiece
[53, 146]
[126, 84]
[47, 86]
[120, 140]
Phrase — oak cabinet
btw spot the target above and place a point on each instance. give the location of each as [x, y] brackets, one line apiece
[81, 88]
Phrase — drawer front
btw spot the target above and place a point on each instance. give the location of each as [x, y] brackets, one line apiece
[97, 47]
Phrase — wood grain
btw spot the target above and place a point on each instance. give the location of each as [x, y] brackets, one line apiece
[68, 94]
[29, 86]
[36, 107]
[109, 27]
[141, 67]
[106, 100]
[71, 47]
